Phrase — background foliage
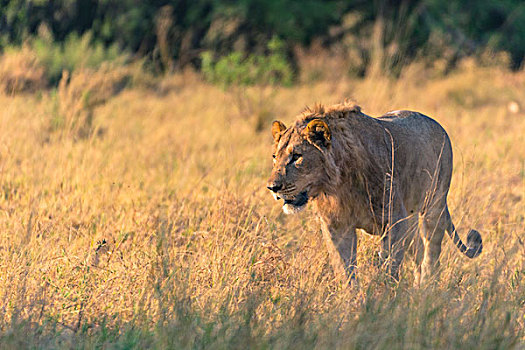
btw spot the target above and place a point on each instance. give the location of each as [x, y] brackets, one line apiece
[173, 34]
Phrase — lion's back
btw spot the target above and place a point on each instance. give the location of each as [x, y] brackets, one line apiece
[422, 151]
[416, 130]
[414, 123]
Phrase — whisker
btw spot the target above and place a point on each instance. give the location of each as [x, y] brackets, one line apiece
[287, 191]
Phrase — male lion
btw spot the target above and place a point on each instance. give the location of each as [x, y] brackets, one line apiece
[387, 176]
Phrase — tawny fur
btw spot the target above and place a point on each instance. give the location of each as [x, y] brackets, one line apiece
[388, 176]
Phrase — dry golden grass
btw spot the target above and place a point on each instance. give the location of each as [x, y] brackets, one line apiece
[20, 70]
[79, 94]
[159, 232]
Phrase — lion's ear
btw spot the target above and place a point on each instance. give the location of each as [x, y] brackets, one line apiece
[277, 128]
[318, 133]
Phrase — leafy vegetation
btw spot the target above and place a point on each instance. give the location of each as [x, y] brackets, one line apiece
[74, 53]
[173, 33]
[235, 69]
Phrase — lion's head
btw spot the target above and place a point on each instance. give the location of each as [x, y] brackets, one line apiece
[299, 155]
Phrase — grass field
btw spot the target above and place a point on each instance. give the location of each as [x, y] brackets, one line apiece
[142, 221]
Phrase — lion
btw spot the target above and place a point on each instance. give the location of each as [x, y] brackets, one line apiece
[388, 176]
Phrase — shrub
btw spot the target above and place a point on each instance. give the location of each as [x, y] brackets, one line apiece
[239, 69]
[76, 52]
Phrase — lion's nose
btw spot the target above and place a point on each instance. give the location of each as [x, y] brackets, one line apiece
[274, 187]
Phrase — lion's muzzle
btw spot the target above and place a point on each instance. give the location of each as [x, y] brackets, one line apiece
[274, 188]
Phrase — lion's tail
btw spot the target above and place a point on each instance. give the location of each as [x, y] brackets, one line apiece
[474, 242]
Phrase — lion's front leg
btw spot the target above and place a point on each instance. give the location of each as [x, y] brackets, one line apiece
[341, 241]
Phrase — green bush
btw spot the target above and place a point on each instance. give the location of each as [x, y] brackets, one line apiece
[74, 53]
[171, 33]
[238, 69]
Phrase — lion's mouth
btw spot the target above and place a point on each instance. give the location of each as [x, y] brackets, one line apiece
[300, 200]
[296, 204]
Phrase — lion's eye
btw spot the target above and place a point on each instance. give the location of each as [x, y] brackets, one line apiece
[296, 157]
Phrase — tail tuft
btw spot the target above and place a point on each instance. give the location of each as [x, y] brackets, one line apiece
[474, 244]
